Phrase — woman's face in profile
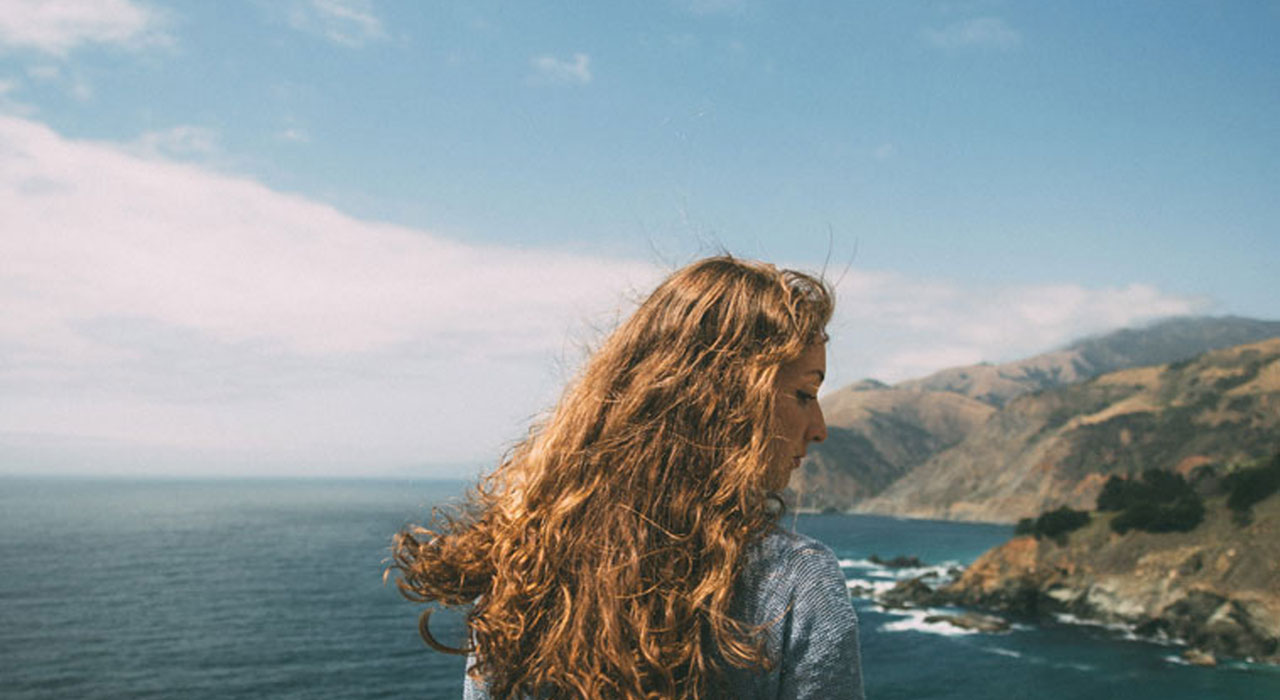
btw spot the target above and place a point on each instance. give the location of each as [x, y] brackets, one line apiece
[797, 416]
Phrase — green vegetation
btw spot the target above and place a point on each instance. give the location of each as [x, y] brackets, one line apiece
[1160, 502]
[1055, 524]
[1248, 486]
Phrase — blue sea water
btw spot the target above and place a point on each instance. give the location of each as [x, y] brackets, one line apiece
[273, 589]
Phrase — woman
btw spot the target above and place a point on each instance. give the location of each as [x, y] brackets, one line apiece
[630, 547]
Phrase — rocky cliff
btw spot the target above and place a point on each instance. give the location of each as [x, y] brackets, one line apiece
[1057, 446]
[1216, 588]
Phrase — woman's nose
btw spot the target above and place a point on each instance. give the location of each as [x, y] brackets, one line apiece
[818, 430]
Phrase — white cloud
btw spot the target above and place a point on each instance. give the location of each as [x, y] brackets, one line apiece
[185, 141]
[982, 32]
[156, 302]
[45, 72]
[894, 327]
[549, 69]
[9, 105]
[58, 26]
[71, 81]
[81, 90]
[350, 23]
[294, 134]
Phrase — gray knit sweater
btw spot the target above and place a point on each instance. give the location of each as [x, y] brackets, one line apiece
[795, 581]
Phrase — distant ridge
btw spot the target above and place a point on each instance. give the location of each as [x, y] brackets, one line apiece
[877, 433]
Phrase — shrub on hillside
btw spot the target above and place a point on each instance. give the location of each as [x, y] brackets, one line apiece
[1054, 524]
[1120, 493]
[1160, 502]
[1248, 486]
[1183, 515]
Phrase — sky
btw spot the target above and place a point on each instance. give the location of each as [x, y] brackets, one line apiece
[375, 238]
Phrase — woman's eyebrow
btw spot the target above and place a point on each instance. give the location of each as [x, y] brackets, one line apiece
[822, 376]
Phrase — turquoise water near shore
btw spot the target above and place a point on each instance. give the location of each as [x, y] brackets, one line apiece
[273, 589]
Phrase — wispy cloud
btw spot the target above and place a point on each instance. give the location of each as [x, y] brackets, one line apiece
[549, 69]
[982, 32]
[149, 300]
[181, 142]
[898, 327]
[351, 23]
[69, 80]
[155, 302]
[293, 134]
[57, 27]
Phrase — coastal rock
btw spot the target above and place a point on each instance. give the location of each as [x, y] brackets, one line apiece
[1199, 657]
[973, 621]
[912, 593]
[1216, 588]
[898, 562]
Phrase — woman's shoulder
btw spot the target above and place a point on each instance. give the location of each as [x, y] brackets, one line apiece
[786, 561]
[786, 547]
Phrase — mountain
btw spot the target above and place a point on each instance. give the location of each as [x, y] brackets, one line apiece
[1058, 446]
[878, 433]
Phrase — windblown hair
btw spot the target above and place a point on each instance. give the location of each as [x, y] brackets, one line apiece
[602, 553]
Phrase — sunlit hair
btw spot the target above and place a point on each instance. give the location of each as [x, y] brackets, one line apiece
[602, 553]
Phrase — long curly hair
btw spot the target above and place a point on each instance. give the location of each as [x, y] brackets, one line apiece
[601, 555]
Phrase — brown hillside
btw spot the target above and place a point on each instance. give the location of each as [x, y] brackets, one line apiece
[875, 435]
[1056, 447]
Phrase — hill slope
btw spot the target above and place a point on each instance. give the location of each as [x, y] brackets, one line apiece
[1056, 447]
[875, 434]
[878, 433]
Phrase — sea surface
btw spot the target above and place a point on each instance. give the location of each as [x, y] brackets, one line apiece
[273, 589]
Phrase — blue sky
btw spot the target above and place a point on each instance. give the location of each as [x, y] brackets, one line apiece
[334, 236]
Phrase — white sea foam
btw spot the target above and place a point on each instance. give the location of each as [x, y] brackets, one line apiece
[877, 587]
[939, 572]
[914, 621]
[1003, 652]
[858, 564]
[1125, 631]
[1122, 628]
[936, 571]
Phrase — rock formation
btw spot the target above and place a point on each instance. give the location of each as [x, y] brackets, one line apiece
[1216, 588]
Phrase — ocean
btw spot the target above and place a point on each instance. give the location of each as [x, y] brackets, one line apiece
[273, 589]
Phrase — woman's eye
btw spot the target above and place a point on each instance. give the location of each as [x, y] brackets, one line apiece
[804, 397]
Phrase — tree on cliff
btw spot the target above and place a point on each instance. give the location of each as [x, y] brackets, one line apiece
[1160, 502]
[1248, 486]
